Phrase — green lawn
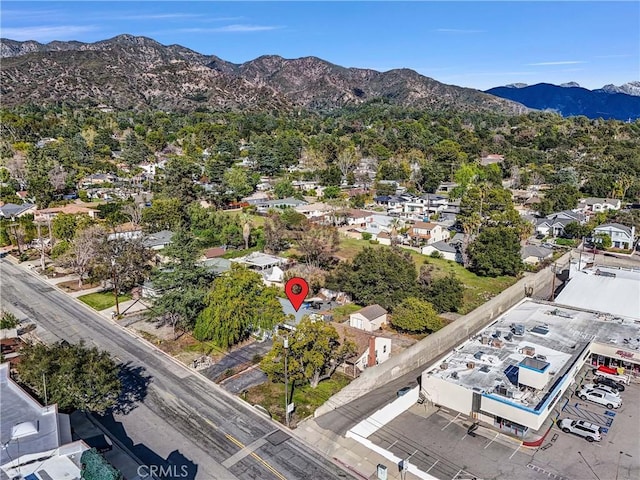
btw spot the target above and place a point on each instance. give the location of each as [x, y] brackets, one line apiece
[102, 300]
[477, 289]
[271, 396]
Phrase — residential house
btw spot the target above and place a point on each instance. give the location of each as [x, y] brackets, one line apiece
[491, 159]
[126, 231]
[97, 179]
[270, 267]
[392, 203]
[553, 224]
[213, 252]
[370, 349]
[533, 254]
[448, 251]
[595, 205]
[282, 203]
[314, 210]
[355, 217]
[428, 233]
[36, 440]
[12, 210]
[217, 265]
[446, 187]
[369, 318]
[158, 240]
[71, 209]
[621, 235]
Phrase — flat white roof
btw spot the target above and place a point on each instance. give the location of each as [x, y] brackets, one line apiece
[604, 289]
[556, 334]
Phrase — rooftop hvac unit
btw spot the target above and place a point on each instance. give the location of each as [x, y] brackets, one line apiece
[444, 366]
[478, 355]
[508, 337]
[497, 343]
[484, 340]
[471, 365]
[528, 350]
[454, 375]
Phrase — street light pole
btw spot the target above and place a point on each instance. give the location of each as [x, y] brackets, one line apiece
[15, 232]
[286, 383]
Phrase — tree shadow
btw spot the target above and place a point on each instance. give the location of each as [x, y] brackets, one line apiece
[150, 464]
[135, 383]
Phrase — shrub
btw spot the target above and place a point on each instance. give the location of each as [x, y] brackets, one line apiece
[366, 236]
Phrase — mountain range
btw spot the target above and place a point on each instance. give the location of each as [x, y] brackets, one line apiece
[570, 99]
[138, 72]
[132, 72]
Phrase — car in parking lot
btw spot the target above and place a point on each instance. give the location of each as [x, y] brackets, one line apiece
[598, 396]
[602, 388]
[609, 382]
[590, 431]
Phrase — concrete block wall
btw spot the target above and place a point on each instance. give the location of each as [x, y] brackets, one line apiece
[436, 345]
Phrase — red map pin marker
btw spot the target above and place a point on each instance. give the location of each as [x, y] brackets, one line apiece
[296, 289]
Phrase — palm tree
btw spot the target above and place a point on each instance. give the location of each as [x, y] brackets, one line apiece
[395, 224]
[245, 220]
[469, 226]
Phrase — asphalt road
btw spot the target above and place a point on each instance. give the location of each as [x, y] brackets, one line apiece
[181, 419]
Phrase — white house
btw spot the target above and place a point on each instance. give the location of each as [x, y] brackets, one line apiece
[314, 210]
[593, 204]
[370, 349]
[428, 232]
[621, 235]
[369, 318]
[447, 251]
[158, 240]
[532, 254]
[126, 231]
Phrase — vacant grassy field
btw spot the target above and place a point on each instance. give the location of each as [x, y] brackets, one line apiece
[477, 289]
[102, 300]
[271, 396]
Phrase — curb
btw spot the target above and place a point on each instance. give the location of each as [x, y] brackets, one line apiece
[249, 407]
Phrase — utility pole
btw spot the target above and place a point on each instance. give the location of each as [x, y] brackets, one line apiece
[15, 232]
[115, 284]
[286, 383]
[44, 383]
[553, 284]
[42, 265]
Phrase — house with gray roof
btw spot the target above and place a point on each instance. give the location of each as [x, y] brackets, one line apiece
[369, 318]
[12, 210]
[621, 235]
[158, 240]
[281, 203]
[448, 251]
[533, 254]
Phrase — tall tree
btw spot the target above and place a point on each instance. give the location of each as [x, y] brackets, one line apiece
[376, 275]
[415, 315]
[313, 355]
[76, 376]
[317, 244]
[496, 251]
[83, 250]
[238, 304]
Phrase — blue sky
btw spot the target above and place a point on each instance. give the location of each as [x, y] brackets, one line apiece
[473, 44]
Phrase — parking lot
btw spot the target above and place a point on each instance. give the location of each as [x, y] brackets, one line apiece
[437, 442]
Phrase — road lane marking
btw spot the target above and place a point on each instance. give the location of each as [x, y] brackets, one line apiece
[434, 464]
[235, 458]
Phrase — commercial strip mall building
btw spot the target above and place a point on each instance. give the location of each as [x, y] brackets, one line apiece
[512, 374]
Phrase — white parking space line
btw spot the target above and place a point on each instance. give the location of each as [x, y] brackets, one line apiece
[492, 440]
[434, 464]
[450, 422]
[515, 451]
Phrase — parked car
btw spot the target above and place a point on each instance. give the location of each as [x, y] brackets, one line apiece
[602, 388]
[403, 391]
[590, 431]
[598, 396]
[600, 380]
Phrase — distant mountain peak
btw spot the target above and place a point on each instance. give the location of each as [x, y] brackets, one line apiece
[570, 85]
[516, 85]
[129, 71]
[630, 88]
